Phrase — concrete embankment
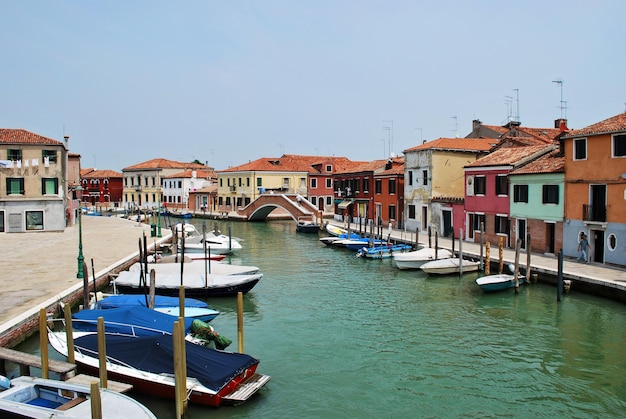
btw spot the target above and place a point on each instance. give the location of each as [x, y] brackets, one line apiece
[39, 269]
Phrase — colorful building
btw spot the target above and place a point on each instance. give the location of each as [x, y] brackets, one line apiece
[595, 190]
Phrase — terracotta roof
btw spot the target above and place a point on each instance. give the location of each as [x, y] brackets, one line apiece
[86, 170]
[613, 124]
[212, 189]
[511, 156]
[187, 174]
[459, 144]
[553, 162]
[164, 164]
[291, 163]
[101, 174]
[21, 136]
[547, 135]
[376, 166]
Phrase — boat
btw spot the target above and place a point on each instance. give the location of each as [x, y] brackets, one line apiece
[214, 377]
[213, 285]
[195, 268]
[449, 266]
[212, 242]
[357, 244]
[416, 258]
[498, 282]
[39, 398]
[307, 226]
[383, 251]
[334, 230]
[176, 257]
[195, 309]
[181, 214]
[129, 320]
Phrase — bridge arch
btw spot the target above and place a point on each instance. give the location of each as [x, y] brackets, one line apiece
[295, 205]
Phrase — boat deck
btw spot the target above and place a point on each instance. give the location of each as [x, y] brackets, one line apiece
[247, 388]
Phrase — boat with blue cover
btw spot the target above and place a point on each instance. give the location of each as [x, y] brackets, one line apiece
[383, 251]
[170, 305]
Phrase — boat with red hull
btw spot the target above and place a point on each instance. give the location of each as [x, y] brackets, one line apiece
[214, 378]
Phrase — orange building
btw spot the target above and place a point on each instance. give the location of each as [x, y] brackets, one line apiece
[595, 190]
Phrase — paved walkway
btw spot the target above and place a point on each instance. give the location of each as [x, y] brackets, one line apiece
[39, 269]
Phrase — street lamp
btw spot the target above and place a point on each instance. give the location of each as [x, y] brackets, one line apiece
[81, 258]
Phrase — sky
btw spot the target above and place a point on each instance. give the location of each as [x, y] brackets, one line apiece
[228, 82]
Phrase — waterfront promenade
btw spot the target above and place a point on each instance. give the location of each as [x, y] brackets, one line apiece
[39, 269]
[607, 281]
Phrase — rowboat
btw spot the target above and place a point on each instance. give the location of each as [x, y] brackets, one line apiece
[498, 282]
[416, 258]
[39, 398]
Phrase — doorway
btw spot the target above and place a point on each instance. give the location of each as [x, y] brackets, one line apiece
[550, 237]
[521, 231]
[597, 249]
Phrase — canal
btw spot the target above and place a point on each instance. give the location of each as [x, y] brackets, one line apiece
[345, 337]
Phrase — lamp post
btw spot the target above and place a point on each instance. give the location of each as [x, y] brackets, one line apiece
[79, 195]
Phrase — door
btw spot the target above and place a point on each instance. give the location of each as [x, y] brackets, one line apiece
[521, 231]
[598, 203]
[597, 246]
[470, 226]
[447, 223]
[550, 237]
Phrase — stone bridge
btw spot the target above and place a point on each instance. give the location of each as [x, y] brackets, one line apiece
[296, 205]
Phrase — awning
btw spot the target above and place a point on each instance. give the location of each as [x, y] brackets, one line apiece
[344, 204]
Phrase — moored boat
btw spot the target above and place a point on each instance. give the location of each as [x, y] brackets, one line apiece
[416, 258]
[214, 377]
[450, 266]
[39, 398]
[498, 282]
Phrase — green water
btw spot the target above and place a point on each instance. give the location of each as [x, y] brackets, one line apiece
[345, 337]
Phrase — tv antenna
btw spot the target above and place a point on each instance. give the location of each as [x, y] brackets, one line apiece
[562, 103]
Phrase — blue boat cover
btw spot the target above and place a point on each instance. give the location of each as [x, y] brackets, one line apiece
[148, 322]
[134, 300]
[213, 368]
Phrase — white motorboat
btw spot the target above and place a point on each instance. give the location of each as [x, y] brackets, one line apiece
[39, 398]
[213, 242]
[416, 258]
[449, 266]
[212, 285]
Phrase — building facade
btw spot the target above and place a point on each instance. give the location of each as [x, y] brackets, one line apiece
[33, 182]
[595, 190]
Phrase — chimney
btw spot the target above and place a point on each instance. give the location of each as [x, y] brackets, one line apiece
[476, 124]
[561, 124]
[67, 142]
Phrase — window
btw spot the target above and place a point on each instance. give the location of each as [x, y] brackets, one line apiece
[425, 176]
[502, 185]
[479, 222]
[1, 221]
[313, 183]
[392, 212]
[329, 200]
[51, 155]
[259, 181]
[14, 154]
[329, 183]
[49, 186]
[379, 186]
[619, 145]
[329, 168]
[412, 212]
[520, 193]
[580, 149]
[366, 185]
[303, 182]
[314, 200]
[34, 220]
[550, 194]
[15, 186]
[410, 179]
[480, 185]
[247, 182]
[502, 225]
[240, 182]
[392, 187]
[286, 182]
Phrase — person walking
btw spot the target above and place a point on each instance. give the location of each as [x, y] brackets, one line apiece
[583, 247]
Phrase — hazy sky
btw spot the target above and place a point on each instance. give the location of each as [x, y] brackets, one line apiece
[226, 82]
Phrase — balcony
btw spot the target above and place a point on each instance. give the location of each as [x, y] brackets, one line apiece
[233, 188]
[594, 213]
[137, 187]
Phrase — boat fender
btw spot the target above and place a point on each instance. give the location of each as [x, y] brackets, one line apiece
[5, 383]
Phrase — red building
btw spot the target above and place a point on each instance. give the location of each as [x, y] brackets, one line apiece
[372, 191]
[102, 188]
